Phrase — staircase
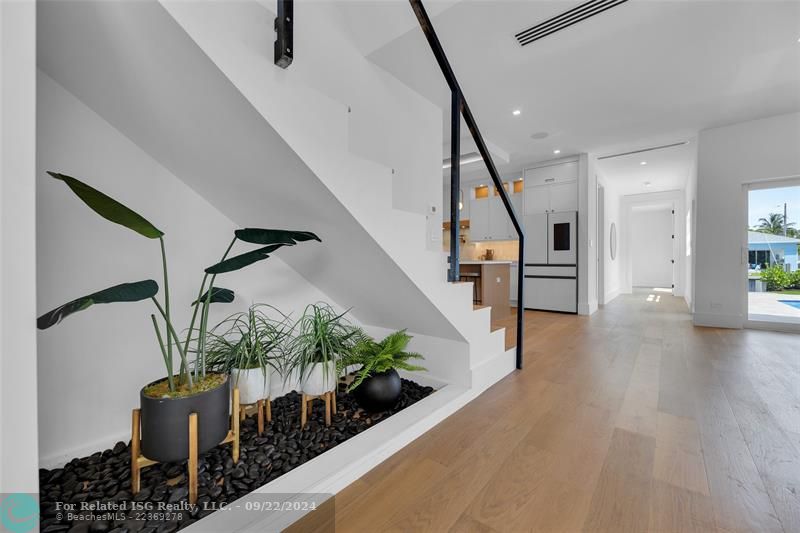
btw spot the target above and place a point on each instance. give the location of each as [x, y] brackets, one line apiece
[323, 106]
[332, 144]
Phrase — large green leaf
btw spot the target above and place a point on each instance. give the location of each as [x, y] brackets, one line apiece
[218, 295]
[243, 260]
[274, 236]
[108, 208]
[125, 292]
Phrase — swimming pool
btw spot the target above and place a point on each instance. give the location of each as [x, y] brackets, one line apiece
[791, 303]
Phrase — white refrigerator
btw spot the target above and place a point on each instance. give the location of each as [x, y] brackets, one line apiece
[551, 261]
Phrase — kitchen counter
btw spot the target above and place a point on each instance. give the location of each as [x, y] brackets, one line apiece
[491, 279]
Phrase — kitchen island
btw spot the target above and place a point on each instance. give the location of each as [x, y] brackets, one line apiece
[491, 280]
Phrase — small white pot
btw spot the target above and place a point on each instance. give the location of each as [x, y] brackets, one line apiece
[253, 383]
[319, 381]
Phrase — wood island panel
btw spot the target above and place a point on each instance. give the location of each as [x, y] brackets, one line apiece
[492, 293]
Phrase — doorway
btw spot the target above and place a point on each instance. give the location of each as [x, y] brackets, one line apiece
[652, 239]
[773, 277]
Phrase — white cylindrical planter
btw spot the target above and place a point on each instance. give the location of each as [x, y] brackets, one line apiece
[253, 383]
[319, 380]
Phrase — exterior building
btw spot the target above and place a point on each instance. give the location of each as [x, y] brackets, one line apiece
[766, 249]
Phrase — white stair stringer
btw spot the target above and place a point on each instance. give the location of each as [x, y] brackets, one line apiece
[316, 127]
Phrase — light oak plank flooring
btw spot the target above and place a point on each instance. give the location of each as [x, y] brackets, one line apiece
[629, 420]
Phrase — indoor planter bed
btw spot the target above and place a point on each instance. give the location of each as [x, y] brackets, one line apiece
[105, 476]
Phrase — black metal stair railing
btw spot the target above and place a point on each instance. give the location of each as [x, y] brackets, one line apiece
[459, 108]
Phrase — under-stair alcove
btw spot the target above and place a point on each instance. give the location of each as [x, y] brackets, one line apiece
[140, 101]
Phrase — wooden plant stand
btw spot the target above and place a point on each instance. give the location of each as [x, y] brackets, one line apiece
[263, 409]
[139, 461]
[305, 406]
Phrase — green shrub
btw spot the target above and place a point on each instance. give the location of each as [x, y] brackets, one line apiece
[777, 279]
[794, 279]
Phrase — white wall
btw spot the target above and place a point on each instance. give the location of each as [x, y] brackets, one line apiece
[611, 267]
[18, 448]
[690, 224]
[587, 234]
[92, 365]
[651, 247]
[728, 158]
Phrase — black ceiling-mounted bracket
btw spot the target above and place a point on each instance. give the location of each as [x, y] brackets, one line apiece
[284, 41]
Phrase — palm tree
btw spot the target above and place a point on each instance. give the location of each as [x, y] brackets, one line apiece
[772, 224]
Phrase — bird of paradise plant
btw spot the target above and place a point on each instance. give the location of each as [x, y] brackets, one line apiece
[270, 240]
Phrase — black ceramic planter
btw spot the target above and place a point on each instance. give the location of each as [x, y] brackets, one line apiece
[379, 392]
[165, 423]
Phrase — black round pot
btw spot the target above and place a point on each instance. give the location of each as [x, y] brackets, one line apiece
[379, 392]
[165, 422]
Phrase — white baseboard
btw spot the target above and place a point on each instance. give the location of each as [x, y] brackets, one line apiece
[493, 370]
[715, 320]
[610, 296]
[587, 308]
[58, 460]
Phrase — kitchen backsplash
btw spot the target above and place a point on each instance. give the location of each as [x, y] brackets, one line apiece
[503, 250]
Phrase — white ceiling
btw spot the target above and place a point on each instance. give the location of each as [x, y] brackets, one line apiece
[666, 169]
[642, 74]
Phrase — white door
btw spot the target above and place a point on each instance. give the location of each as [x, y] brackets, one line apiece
[498, 220]
[516, 201]
[564, 197]
[536, 239]
[537, 199]
[651, 248]
[479, 219]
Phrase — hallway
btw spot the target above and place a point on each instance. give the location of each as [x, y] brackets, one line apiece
[629, 420]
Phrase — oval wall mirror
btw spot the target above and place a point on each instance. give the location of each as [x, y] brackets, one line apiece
[612, 241]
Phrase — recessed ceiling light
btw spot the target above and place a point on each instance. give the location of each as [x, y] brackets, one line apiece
[539, 135]
[556, 151]
[516, 112]
[643, 163]
[647, 184]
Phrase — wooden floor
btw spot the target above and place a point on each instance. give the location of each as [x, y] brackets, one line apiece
[629, 420]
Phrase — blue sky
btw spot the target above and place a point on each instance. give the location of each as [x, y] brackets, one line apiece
[763, 202]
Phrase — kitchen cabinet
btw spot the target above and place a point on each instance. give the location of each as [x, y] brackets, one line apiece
[498, 220]
[479, 219]
[551, 188]
[551, 294]
[489, 220]
[564, 197]
[548, 174]
[551, 198]
[516, 202]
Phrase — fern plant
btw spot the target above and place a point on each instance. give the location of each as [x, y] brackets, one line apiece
[378, 357]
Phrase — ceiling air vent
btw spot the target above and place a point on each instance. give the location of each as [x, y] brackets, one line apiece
[565, 20]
